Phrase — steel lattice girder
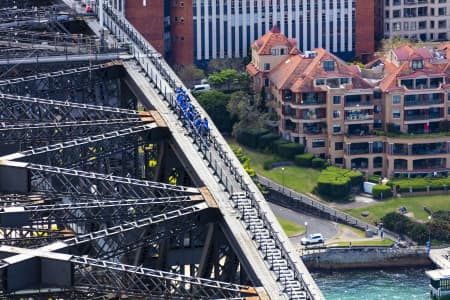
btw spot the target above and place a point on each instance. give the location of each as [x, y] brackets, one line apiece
[60, 181]
[99, 212]
[91, 149]
[61, 131]
[28, 110]
[120, 239]
[48, 84]
[96, 275]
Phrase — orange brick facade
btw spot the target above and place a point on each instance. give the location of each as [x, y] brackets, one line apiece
[365, 29]
[148, 18]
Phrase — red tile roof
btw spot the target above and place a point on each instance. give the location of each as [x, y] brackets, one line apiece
[272, 39]
[298, 72]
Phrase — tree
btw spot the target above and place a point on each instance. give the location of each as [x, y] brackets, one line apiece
[218, 64]
[228, 77]
[215, 104]
[242, 109]
[190, 74]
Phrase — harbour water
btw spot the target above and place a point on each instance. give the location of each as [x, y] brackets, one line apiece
[388, 284]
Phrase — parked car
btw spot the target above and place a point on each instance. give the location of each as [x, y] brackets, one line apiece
[314, 238]
[201, 88]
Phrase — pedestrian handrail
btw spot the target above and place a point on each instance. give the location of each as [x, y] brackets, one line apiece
[206, 146]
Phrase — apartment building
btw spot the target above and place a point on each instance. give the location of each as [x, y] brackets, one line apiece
[199, 30]
[389, 118]
[424, 20]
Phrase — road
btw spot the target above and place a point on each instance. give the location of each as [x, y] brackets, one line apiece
[315, 225]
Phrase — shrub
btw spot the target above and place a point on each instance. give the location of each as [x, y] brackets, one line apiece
[304, 160]
[290, 150]
[318, 163]
[267, 165]
[336, 183]
[250, 136]
[403, 225]
[374, 178]
[276, 143]
[381, 192]
[421, 184]
[265, 141]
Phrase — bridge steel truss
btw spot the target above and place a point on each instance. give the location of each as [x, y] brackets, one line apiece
[289, 272]
[79, 185]
[86, 207]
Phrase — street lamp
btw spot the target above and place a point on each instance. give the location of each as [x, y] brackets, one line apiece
[306, 227]
[282, 178]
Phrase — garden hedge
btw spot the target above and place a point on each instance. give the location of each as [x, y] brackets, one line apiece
[250, 136]
[265, 141]
[289, 150]
[336, 183]
[420, 184]
[304, 160]
[318, 163]
[381, 192]
[374, 178]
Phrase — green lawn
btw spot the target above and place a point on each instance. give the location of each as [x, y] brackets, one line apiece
[385, 242]
[291, 228]
[299, 179]
[413, 204]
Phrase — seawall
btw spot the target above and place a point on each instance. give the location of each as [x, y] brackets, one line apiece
[365, 257]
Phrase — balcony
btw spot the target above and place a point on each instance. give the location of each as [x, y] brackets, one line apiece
[359, 116]
[313, 99]
[424, 99]
[312, 114]
[430, 164]
[314, 128]
[358, 148]
[424, 117]
[358, 130]
[429, 149]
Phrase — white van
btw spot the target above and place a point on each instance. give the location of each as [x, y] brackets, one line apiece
[201, 88]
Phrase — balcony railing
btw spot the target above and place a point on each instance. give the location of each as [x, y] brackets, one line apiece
[356, 117]
[423, 117]
[358, 103]
[423, 102]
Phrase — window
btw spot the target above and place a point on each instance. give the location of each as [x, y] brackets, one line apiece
[345, 80]
[336, 128]
[328, 65]
[318, 143]
[396, 99]
[417, 64]
[266, 81]
[181, 4]
[377, 109]
[337, 99]
[396, 113]
[266, 67]
[275, 51]
[338, 146]
[320, 81]
[339, 161]
[336, 114]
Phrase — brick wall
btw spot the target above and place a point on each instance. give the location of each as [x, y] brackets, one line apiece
[181, 32]
[148, 17]
[365, 29]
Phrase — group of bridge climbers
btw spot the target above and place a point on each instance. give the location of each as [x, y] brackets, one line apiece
[190, 114]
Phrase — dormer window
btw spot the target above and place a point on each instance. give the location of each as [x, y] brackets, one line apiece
[328, 65]
[417, 64]
[275, 51]
[320, 81]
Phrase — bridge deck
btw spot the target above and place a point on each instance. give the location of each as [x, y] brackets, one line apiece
[258, 238]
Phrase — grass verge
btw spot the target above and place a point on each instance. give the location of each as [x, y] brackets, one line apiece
[299, 179]
[291, 228]
[414, 205]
